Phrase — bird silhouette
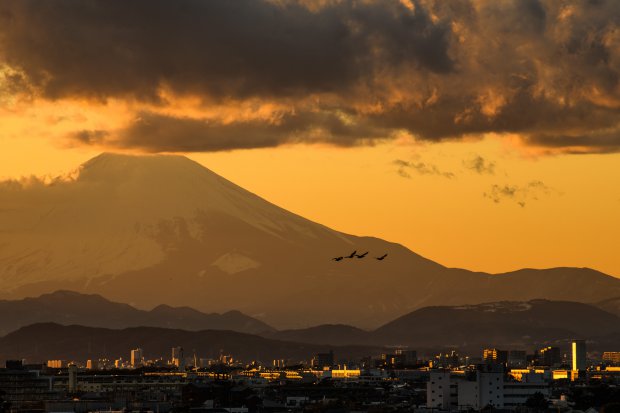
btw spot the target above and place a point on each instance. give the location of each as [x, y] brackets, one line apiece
[337, 258]
[352, 254]
[362, 255]
[381, 258]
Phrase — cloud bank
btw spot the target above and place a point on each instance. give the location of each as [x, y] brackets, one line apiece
[347, 72]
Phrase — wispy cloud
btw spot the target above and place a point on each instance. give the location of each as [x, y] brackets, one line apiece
[421, 168]
[480, 165]
[532, 191]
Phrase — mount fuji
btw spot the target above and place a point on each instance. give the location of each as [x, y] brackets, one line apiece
[159, 229]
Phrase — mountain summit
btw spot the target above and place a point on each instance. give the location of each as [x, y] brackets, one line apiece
[156, 229]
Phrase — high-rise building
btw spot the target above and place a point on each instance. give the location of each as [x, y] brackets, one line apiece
[517, 358]
[495, 356]
[579, 355]
[549, 356]
[73, 370]
[408, 357]
[177, 352]
[323, 360]
[178, 357]
[136, 357]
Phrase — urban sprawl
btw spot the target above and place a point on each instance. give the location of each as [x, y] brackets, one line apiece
[548, 379]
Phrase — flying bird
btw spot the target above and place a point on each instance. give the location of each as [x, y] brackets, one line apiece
[381, 258]
[352, 254]
[337, 258]
[362, 255]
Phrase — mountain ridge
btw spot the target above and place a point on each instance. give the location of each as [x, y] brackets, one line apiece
[69, 307]
[506, 325]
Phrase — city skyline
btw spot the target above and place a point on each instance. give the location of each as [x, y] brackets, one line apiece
[450, 381]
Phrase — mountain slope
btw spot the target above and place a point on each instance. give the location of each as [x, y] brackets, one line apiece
[611, 305]
[148, 230]
[66, 307]
[509, 324]
[332, 334]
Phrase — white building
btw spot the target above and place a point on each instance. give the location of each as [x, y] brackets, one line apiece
[516, 393]
[486, 390]
[441, 391]
[482, 388]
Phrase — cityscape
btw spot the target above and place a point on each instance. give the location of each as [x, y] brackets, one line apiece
[311, 206]
[563, 380]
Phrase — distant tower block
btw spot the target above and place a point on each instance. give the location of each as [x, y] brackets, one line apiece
[579, 355]
[549, 356]
[517, 358]
[178, 357]
[324, 360]
[495, 356]
[73, 370]
[136, 357]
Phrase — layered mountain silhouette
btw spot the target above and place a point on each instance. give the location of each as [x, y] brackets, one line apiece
[469, 329]
[44, 341]
[67, 308]
[38, 323]
[147, 230]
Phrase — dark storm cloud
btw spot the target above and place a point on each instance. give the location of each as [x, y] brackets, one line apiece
[159, 133]
[219, 48]
[603, 142]
[90, 137]
[355, 70]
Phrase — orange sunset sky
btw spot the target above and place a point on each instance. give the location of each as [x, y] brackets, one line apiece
[479, 134]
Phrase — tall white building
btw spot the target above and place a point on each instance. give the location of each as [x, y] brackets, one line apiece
[579, 355]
